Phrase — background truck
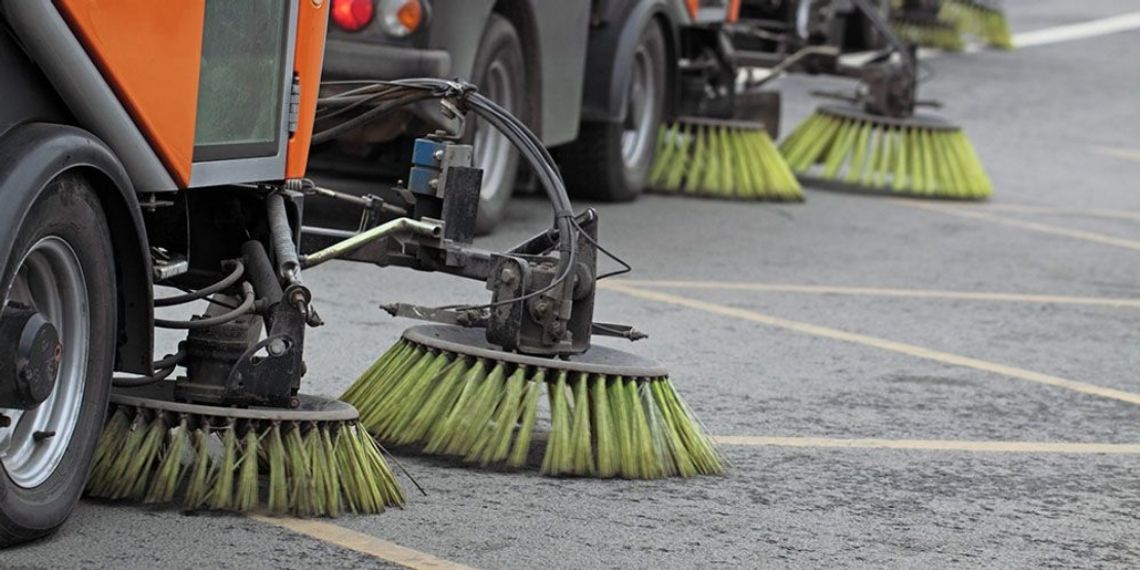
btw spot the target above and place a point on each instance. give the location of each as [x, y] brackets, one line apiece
[594, 79]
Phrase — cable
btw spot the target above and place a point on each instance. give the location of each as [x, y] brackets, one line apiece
[163, 369]
[244, 308]
[225, 283]
[366, 117]
[391, 95]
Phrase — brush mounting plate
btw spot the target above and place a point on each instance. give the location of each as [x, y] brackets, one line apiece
[916, 121]
[597, 360]
[160, 396]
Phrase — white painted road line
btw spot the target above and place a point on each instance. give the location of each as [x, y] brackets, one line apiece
[1081, 31]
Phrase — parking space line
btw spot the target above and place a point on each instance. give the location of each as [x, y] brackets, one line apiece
[875, 342]
[1081, 31]
[1124, 153]
[1085, 212]
[974, 214]
[362, 543]
[884, 292]
[932, 445]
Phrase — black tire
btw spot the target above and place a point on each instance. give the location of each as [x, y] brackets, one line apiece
[499, 60]
[67, 209]
[593, 165]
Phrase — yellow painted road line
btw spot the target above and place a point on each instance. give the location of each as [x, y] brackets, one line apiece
[974, 214]
[931, 445]
[884, 292]
[362, 543]
[1125, 153]
[1087, 212]
[875, 342]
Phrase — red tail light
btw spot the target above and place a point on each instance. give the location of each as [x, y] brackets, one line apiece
[352, 15]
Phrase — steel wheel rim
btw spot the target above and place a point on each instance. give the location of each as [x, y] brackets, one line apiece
[639, 128]
[492, 149]
[50, 279]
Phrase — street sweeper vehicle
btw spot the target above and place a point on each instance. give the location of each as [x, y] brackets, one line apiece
[149, 144]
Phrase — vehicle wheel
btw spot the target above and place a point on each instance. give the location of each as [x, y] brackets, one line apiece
[611, 161]
[58, 270]
[500, 74]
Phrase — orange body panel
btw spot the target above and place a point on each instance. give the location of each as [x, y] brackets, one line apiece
[311, 24]
[150, 53]
[733, 11]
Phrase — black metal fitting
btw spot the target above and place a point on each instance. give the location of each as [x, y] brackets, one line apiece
[892, 89]
[227, 364]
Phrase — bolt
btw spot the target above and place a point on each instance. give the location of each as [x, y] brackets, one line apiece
[294, 402]
[508, 275]
[438, 155]
[277, 347]
[541, 306]
[39, 436]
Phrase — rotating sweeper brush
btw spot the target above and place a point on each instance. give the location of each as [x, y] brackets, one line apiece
[447, 391]
[315, 458]
[721, 159]
[982, 19]
[234, 433]
[876, 141]
[720, 144]
[946, 24]
[919, 22]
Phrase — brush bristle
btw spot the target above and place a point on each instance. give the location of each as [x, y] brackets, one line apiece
[912, 160]
[932, 34]
[312, 468]
[485, 412]
[721, 162]
[986, 23]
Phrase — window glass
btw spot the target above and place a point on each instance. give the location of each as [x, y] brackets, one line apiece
[240, 89]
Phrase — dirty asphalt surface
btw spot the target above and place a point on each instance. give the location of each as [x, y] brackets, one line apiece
[1037, 117]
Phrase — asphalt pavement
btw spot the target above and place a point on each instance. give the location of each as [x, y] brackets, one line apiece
[898, 383]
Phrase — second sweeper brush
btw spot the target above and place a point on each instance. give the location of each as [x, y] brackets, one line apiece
[984, 20]
[917, 155]
[729, 159]
[445, 391]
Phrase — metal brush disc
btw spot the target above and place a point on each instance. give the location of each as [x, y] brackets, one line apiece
[160, 396]
[916, 121]
[923, 20]
[739, 124]
[598, 360]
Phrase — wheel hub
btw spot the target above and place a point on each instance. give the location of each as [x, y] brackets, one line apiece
[31, 356]
[48, 364]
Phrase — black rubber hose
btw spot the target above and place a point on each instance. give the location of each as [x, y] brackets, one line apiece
[163, 369]
[259, 272]
[226, 282]
[245, 307]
